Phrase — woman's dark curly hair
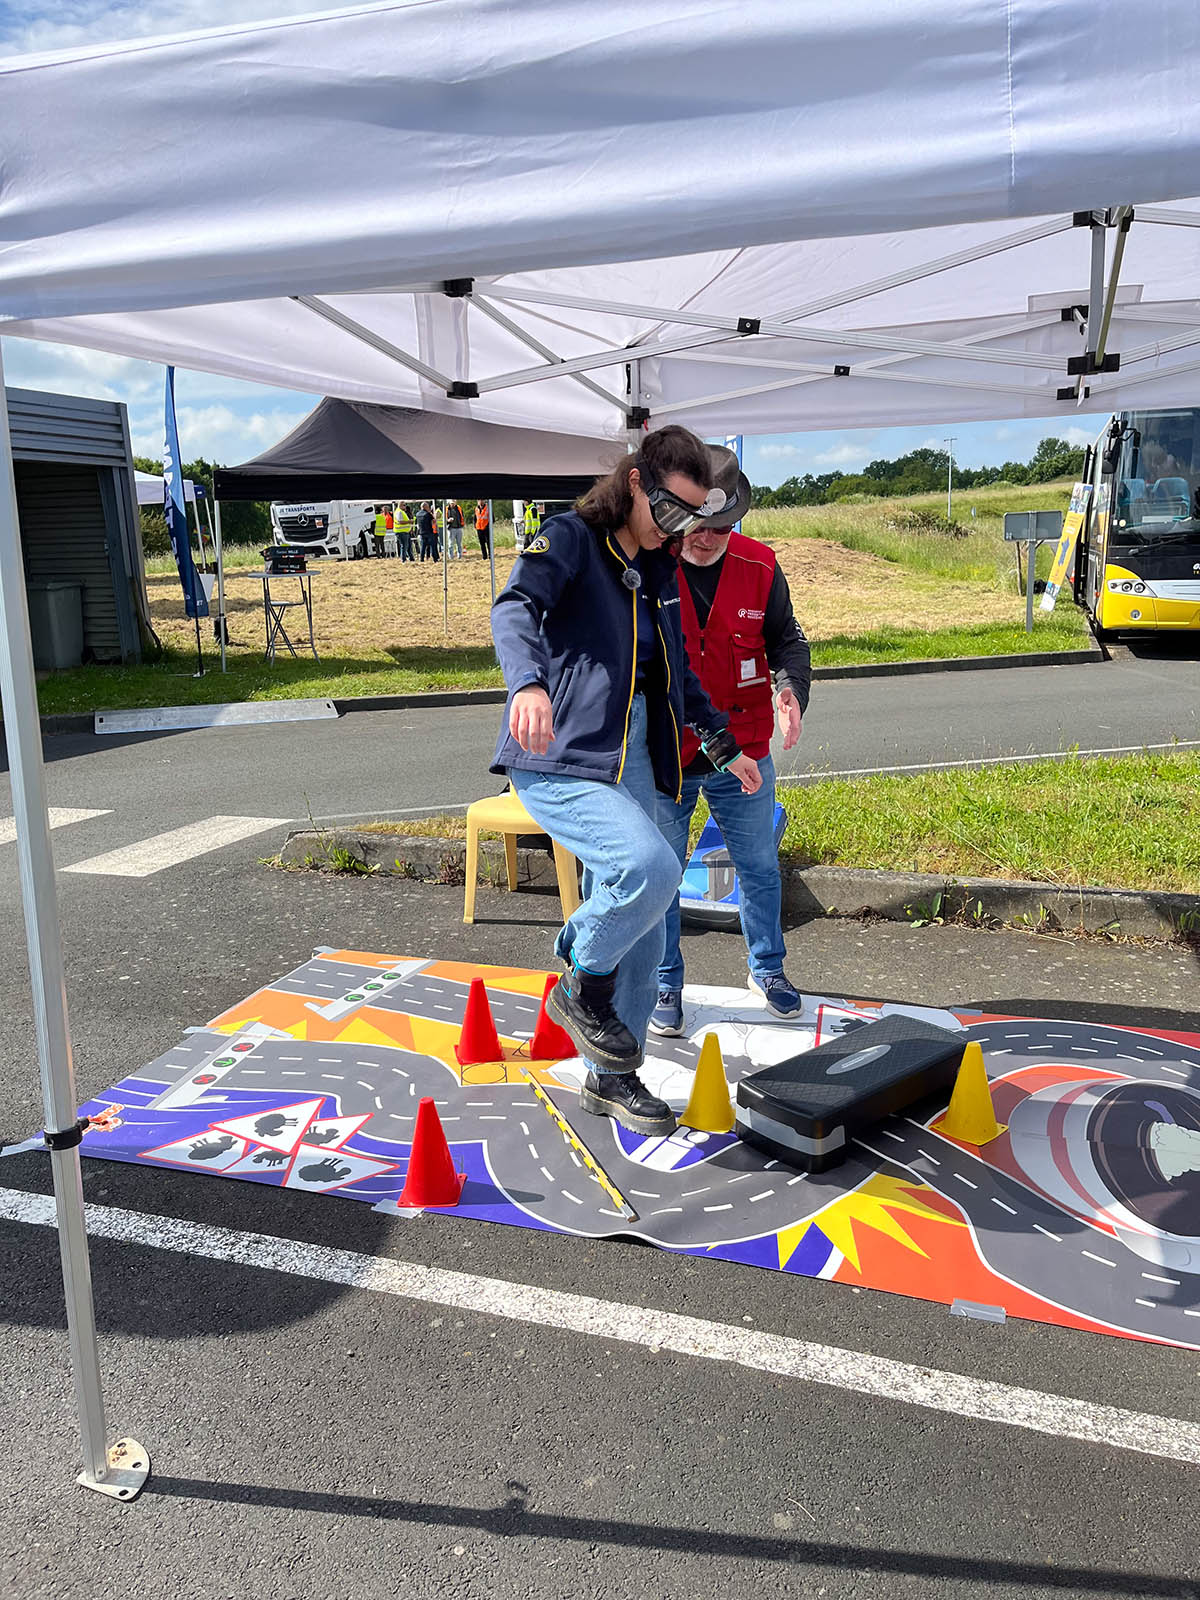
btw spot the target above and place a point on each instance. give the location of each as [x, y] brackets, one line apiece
[607, 504]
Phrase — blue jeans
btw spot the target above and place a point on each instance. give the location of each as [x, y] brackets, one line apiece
[747, 822]
[630, 872]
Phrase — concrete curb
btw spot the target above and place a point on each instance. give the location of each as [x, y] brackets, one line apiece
[84, 722]
[896, 669]
[808, 892]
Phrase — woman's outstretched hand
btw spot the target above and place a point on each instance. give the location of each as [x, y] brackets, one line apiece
[745, 770]
[530, 720]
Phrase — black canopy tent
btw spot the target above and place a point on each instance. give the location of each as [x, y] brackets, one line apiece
[345, 450]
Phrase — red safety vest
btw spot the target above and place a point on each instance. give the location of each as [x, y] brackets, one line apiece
[730, 656]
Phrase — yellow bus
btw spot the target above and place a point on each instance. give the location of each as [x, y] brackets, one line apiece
[1137, 567]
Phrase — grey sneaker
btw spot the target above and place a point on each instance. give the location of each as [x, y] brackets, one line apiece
[667, 1016]
[781, 998]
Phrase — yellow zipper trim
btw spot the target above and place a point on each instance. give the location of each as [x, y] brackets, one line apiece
[633, 594]
[678, 742]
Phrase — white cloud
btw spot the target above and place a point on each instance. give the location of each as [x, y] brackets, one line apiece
[25, 28]
[222, 419]
[846, 454]
[781, 452]
[218, 433]
[1079, 437]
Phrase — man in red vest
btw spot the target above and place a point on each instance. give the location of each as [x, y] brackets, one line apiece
[740, 632]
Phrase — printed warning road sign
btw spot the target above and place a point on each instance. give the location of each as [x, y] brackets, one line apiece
[281, 1128]
[210, 1151]
[259, 1162]
[317, 1169]
[331, 1133]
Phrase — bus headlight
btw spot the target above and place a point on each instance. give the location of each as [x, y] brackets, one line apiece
[1126, 587]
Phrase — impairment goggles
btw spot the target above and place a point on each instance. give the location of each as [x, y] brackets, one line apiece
[675, 516]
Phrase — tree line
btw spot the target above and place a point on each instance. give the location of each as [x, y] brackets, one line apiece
[921, 472]
[242, 521]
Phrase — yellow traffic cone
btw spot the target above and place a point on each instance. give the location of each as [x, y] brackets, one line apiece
[709, 1108]
[971, 1117]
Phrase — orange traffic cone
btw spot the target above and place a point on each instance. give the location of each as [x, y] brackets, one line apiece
[478, 1040]
[550, 1042]
[431, 1179]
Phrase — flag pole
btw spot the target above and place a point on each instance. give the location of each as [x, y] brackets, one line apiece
[492, 550]
[175, 508]
[445, 575]
[220, 552]
[112, 1472]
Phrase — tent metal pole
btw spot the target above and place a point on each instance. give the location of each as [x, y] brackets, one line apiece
[220, 580]
[103, 1470]
[523, 336]
[1122, 221]
[785, 330]
[445, 576]
[492, 549]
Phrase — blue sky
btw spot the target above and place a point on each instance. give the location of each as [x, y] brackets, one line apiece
[228, 421]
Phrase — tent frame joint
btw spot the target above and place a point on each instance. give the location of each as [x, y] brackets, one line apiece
[1087, 364]
[67, 1138]
[460, 390]
[458, 288]
[637, 416]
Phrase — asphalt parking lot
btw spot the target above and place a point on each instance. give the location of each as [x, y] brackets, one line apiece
[312, 1436]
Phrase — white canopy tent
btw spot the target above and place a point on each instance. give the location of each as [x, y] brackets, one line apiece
[150, 489]
[585, 218]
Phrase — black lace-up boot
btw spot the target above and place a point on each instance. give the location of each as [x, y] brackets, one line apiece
[582, 1003]
[624, 1096]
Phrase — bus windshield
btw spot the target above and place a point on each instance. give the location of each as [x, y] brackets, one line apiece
[1157, 489]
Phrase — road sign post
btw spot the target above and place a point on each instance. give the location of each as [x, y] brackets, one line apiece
[1031, 528]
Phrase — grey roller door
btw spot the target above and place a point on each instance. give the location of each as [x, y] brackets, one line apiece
[65, 536]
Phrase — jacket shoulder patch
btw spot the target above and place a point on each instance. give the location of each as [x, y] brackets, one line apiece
[538, 546]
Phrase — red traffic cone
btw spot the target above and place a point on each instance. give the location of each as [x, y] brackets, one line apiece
[478, 1040]
[550, 1042]
[431, 1179]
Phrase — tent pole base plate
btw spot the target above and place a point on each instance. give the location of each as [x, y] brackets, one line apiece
[128, 1469]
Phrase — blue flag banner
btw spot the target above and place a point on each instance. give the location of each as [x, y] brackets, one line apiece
[173, 505]
[733, 441]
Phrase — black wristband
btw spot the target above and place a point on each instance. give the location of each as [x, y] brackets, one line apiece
[721, 748]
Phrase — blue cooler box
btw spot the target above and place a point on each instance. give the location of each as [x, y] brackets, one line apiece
[709, 895]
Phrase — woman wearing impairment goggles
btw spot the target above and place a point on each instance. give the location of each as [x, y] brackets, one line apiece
[589, 637]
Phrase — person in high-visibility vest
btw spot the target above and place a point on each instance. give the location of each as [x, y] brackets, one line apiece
[404, 532]
[381, 521]
[483, 528]
[533, 523]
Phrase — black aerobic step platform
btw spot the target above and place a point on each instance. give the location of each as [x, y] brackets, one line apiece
[806, 1110]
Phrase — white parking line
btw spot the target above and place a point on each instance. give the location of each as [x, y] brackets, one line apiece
[164, 850]
[60, 817]
[862, 1375]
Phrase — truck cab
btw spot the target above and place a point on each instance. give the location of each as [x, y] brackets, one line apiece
[336, 529]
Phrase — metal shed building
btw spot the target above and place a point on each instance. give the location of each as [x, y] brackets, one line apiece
[78, 512]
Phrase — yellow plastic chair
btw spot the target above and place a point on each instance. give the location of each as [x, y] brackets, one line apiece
[504, 814]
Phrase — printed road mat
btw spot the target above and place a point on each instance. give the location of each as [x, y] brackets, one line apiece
[1086, 1212]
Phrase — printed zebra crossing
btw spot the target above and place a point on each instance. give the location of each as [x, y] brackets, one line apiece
[142, 858]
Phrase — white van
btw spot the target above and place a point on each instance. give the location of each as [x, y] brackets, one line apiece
[337, 528]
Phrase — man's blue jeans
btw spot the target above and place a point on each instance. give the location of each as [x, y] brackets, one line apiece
[747, 822]
[630, 873]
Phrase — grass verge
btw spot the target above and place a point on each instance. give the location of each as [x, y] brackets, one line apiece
[1127, 822]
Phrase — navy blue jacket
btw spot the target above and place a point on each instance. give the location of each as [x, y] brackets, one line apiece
[565, 620]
